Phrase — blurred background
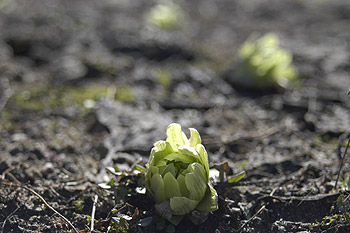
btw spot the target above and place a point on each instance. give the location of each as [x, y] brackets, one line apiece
[87, 84]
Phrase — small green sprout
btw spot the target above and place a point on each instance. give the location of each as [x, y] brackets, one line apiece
[165, 15]
[79, 205]
[345, 181]
[331, 220]
[263, 64]
[178, 176]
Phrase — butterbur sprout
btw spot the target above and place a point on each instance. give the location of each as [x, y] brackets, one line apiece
[263, 63]
[165, 15]
[178, 176]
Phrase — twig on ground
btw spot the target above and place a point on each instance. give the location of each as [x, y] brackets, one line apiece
[110, 214]
[93, 213]
[12, 213]
[256, 214]
[43, 200]
[342, 160]
[12, 177]
[8, 173]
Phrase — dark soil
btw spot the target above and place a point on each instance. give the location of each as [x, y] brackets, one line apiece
[86, 85]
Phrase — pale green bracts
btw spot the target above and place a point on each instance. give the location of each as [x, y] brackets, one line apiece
[178, 175]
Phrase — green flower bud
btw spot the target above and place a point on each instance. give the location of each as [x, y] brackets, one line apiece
[178, 175]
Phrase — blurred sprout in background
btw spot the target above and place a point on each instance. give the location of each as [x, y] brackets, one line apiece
[264, 64]
[165, 15]
[178, 177]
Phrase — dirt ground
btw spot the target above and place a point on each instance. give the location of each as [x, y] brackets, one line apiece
[87, 87]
